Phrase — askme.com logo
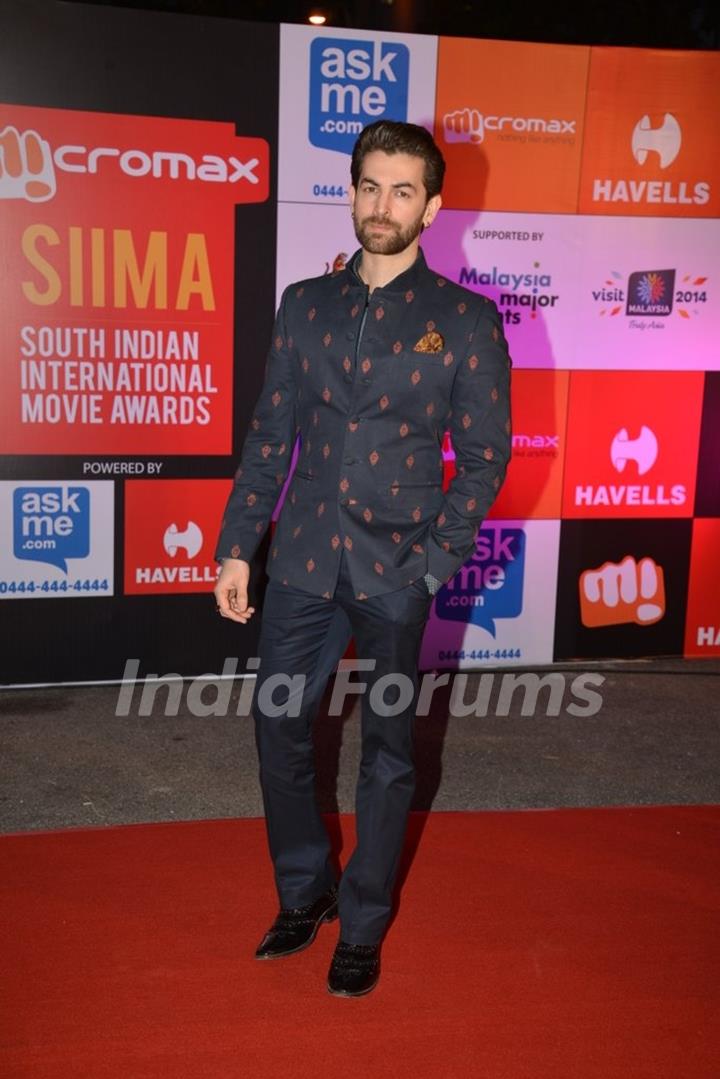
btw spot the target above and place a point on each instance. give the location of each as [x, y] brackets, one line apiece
[650, 292]
[28, 165]
[352, 84]
[490, 584]
[51, 524]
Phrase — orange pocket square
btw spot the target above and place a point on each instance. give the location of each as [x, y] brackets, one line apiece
[431, 342]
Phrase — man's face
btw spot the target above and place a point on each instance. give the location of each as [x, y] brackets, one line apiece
[390, 205]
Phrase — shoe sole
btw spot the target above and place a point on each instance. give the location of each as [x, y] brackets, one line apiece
[329, 916]
[344, 992]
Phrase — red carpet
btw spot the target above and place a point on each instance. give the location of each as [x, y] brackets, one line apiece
[563, 944]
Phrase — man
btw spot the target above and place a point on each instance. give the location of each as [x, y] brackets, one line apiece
[370, 365]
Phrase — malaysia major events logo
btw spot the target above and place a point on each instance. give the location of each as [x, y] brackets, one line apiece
[520, 292]
[354, 82]
[646, 295]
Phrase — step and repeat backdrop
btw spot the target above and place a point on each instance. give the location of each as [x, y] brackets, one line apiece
[149, 221]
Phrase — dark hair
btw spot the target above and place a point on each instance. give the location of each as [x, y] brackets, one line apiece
[393, 137]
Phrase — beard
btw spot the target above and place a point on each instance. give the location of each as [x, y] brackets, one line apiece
[392, 242]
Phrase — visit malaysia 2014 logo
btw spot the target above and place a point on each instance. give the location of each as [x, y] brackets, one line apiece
[651, 294]
[354, 83]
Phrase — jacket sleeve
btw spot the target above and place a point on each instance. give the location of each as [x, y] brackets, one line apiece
[266, 453]
[481, 437]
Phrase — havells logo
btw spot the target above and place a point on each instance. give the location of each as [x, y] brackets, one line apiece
[643, 450]
[665, 141]
[51, 524]
[490, 584]
[352, 84]
[190, 541]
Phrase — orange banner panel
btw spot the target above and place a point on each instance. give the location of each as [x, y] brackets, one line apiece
[533, 487]
[509, 120]
[651, 134]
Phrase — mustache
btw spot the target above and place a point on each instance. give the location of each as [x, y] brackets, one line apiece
[373, 220]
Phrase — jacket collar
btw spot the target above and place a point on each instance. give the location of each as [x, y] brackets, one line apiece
[408, 279]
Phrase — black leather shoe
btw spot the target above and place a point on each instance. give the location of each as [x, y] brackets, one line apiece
[296, 927]
[355, 969]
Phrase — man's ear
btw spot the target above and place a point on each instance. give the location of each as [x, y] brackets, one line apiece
[351, 189]
[431, 210]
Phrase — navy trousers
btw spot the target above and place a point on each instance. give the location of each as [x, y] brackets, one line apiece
[305, 635]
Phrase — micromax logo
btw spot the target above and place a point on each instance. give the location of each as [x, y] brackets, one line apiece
[28, 164]
[471, 125]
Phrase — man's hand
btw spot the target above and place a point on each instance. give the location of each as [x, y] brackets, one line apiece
[231, 590]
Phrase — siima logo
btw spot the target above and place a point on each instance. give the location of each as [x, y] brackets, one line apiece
[51, 524]
[653, 147]
[643, 450]
[620, 593]
[664, 141]
[352, 84]
[650, 292]
[28, 164]
[471, 125]
[520, 293]
[191, 540]
[490, 584]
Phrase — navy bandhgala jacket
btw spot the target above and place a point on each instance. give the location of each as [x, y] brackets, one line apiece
[370, 382]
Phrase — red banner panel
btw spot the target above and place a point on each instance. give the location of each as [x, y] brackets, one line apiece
[632, 443]
[116, 296]
[171, 528]
[702, 629]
